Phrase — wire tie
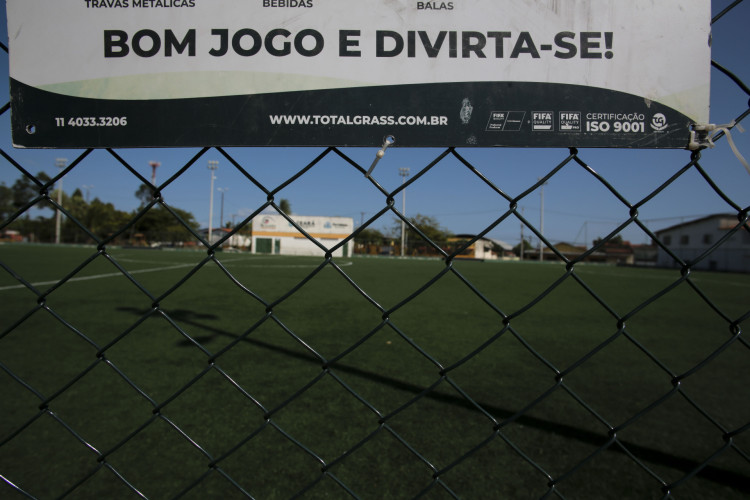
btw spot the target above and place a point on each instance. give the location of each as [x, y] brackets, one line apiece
[705, 139]
[387, 141]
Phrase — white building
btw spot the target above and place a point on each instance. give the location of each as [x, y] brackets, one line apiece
[690, 240]
[273, 234]
[484, 248]
[234, 241]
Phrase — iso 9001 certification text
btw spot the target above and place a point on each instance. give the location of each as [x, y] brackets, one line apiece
[92, 121]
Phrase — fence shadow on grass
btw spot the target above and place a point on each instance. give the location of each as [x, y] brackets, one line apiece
[719, 475]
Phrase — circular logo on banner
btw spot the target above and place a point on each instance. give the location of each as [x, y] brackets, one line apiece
[659, 122]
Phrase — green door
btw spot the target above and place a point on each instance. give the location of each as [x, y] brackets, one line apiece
[263, 245]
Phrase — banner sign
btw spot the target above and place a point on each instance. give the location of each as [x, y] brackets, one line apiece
[177, 73]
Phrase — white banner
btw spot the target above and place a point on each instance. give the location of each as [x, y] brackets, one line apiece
[391, 50]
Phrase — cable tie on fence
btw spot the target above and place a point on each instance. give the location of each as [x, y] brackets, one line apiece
[387, 141]
[701, 136]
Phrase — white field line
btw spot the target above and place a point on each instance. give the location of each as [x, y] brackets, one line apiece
[289, 266]
[151, 270]
[98, 276]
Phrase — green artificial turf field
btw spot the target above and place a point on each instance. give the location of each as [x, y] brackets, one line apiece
[274, 376]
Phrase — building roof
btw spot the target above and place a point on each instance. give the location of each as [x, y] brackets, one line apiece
[214, 230]
[565, 247]
[697, 221]
[505, 246]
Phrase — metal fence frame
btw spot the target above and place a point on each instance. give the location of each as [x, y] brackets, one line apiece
[46, 403]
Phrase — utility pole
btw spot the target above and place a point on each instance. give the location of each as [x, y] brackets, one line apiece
[60, 163]
[404, 173]
[541, 221]
[212, 166]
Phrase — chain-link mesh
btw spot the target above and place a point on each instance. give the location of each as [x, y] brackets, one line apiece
[433, 378]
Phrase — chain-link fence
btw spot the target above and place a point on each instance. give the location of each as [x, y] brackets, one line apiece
[218, 374]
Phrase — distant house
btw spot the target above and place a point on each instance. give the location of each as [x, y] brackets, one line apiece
[10, 235]
[645, 255]
[690, 240]
[568, 250]
[610, 253]
[616, 253]
[483, 248]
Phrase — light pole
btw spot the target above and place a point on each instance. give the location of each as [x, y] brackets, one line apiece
[522, 242]
[154, 166]
[60, 163]
[221, 216]
[212, 166]
[404, 173]
[541, 221]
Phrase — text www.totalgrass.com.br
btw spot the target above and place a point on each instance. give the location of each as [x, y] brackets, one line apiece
[358, 120]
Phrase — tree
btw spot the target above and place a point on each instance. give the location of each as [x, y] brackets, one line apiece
[159, 225]
[18, 196]
[285, 206]
[39, 229]
[6, 202]
[615, 240]
[77, 207]
[370, 236]
[427, 225]
[25, 190]
[103, 219]
[145, 193]
[430, 228]
[98, 218]
[526, 247]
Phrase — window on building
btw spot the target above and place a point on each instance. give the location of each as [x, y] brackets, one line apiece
[684, 239]
[707, 239]
[667, 240]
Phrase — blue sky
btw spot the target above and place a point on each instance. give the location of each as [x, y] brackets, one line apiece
[576, 207]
